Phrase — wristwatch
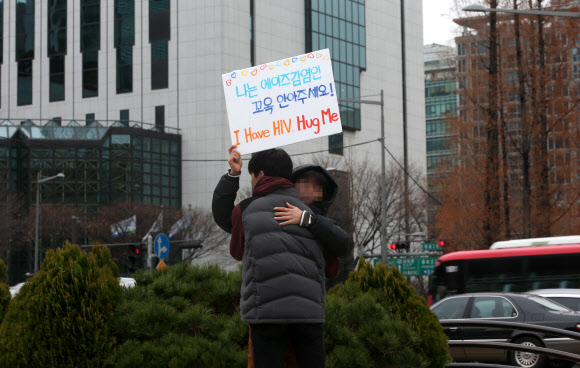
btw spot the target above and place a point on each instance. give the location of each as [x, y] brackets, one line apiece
[307, 219]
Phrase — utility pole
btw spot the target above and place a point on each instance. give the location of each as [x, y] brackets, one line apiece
[383, 185]
[405, 149]
[383, 173]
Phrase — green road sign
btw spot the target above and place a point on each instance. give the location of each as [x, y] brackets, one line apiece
[430, 247]
[414, 266]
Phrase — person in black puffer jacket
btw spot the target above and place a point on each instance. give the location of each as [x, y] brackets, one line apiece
[283, 281]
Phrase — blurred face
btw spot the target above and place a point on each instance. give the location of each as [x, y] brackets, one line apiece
[255, 178]
[309, 190]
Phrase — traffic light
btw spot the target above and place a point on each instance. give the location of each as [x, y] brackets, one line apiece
[402, 246]
[441, 243]
[135, 257]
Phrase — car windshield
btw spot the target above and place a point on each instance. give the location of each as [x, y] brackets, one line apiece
[549, 305]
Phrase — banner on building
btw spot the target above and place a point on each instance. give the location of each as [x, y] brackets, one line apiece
[125, 227]
[282, 102]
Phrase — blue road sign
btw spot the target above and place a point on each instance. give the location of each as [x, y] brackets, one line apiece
[161, 246]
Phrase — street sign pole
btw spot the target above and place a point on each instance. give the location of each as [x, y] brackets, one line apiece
[150, 254]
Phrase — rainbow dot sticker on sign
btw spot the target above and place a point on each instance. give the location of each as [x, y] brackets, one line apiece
[282, 102]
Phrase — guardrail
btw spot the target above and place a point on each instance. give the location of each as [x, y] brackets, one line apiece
[509, 346]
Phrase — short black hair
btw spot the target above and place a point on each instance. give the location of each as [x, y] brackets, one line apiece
[273, 162]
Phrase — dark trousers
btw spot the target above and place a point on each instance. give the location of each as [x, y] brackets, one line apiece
[270, 342]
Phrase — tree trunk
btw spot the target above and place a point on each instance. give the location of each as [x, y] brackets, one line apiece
[506, 183]
[492, 196]
[526, 139]
[544, 208]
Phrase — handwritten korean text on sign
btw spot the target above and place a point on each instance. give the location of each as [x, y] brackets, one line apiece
[282, 102]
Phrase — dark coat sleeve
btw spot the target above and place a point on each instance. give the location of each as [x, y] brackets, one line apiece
[335, 240]
[237, 240]
[222, 205]
[331, 266]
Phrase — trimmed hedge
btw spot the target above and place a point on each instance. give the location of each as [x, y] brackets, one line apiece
[60, 317]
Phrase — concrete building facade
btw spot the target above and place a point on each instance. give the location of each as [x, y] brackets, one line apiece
[160, 62]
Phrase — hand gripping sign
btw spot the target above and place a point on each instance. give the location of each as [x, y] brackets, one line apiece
[282, 102]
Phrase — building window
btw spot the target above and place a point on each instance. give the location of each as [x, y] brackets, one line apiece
[24, 49]
[335, 144]
[90, 45]
[159, 20]
[159, 66]
[124, 117]
[56, 48]
[24, 82]
[89, 118]
[124, 69]
[252, 34]
[160, 117]
[56, 69]
[90, 73]
[1, 31]
[340, 26]
[159, 36]
[124, 41]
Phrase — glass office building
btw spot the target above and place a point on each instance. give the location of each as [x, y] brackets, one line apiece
[127, 161]
[440, 104]
[340, 27]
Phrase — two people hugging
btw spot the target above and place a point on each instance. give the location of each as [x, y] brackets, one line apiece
[288, 248]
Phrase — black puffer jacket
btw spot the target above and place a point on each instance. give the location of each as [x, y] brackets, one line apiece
[283, 266]
[336, 242]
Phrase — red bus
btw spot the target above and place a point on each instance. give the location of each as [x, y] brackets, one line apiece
[509, 269]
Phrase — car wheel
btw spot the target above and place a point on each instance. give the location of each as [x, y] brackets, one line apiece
[527, 360]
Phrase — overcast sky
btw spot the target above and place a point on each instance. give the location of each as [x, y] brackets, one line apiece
[438, 26]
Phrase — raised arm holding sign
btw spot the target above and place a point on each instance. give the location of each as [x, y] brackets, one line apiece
[282, 102]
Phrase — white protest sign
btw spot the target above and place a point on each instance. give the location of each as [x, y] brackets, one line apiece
[282, 102]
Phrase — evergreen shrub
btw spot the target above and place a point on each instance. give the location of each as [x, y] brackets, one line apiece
[390, 288]
[60, 317]
[5, 295]
[183, 316]
[188, 316]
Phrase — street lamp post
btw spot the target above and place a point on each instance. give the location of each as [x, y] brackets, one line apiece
[383, 174]
[38, 182]
[479, 8]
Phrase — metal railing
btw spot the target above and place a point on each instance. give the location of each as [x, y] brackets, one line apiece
[509, 346]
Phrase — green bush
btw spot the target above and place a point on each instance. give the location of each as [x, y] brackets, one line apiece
[184, 316]
[188, 316]
[5, 295]
[60, 317]
[361, 332]
[388, 285]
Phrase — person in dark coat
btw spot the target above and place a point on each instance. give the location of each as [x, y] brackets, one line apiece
[318, 189]
[283, 283]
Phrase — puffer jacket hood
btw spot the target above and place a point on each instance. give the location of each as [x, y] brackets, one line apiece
[330, 195]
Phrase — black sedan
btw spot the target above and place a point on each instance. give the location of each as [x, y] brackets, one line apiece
[507, 307]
